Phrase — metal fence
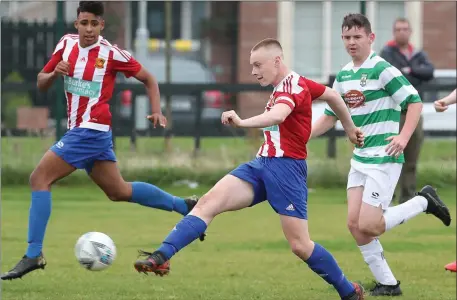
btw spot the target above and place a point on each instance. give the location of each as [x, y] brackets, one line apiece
[129, 126]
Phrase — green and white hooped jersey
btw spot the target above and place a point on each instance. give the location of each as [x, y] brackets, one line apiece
[375, 94]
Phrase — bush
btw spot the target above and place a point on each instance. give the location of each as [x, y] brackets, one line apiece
[11, 101]
[326, 174]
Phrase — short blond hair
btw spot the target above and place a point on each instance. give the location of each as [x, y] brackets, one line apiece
[266, 43]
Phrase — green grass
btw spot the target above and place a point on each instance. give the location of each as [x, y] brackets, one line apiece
[148, 162]
[215, 152]
[244, 257]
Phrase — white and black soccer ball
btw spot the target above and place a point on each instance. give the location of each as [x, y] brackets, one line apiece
[95, 251]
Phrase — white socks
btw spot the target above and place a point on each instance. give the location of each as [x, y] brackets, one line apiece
[374, 256]
[401, 213]
[373, 253]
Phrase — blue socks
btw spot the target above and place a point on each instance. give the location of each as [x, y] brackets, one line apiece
[40, 211]
[324, 265]
[142, 193]
[321, 261]
[151, 196]
[184, 233]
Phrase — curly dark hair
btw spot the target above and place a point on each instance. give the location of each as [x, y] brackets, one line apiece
[94, 7]
[358, 21]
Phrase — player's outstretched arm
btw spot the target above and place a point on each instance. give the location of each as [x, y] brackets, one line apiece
[275, 116]
[152, 89]
[322, 125]
[443, 103]
[337, 104]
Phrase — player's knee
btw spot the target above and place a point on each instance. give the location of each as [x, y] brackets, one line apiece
[203, 201]
[301, 248]
[119, 193]
[370, 228]
[38, 182]
[353, 225]
[202, 209]
[118, 196]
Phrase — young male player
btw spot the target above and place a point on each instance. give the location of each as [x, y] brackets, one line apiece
[374, 91]
[440, 106]
[89, 64]
[278, 173]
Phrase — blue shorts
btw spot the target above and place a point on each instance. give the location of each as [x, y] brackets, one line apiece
[82, 147]
[281, 181]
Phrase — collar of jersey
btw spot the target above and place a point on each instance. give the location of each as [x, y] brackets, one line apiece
[372, 54]
[279, 84]
[91, 46]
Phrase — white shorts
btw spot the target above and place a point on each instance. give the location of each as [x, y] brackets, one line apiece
[379, 181]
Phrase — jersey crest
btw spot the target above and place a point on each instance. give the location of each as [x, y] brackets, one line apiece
[99, 63]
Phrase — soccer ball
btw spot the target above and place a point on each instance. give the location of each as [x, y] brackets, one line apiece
[95, 251]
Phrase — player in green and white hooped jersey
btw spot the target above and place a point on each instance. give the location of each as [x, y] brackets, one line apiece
[375, 92]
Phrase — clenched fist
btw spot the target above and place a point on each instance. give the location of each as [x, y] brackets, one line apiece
[231, 118]
[62, 68]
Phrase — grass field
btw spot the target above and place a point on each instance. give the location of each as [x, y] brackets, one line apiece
[244, 257]
[215, 152]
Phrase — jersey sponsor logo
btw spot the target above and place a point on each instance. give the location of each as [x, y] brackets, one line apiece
[363, 79]
[271, 128]
[99, 63]
[81, 87]
[354, 98]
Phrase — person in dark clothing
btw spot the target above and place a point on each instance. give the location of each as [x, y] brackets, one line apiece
[417, 68]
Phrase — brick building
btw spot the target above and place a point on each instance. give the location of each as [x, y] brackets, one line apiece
[439, 33]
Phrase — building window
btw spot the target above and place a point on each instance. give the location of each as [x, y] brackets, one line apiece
[318, 50]
[156, 19]
[339, 57]
[186, 20]
[199, 13]
[5, 9]
[308, 39]
[386, 13]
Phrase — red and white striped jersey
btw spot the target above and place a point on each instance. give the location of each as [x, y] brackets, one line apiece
[289, 138]
[90, 82]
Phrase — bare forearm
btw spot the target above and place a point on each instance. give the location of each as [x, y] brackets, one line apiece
[45, 80]
[451, 98]
[339, 108]
[152, 89]
[322, 125]
[260, 121]
[412, 119]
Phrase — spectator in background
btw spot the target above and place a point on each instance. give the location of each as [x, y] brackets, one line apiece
[417, 68]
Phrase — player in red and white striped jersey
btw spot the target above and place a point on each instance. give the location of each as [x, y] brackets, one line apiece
[289, 138]
[89, 64]
[89, 77]
[278, 173]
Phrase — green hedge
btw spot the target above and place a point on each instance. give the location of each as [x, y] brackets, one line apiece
[328, 173]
